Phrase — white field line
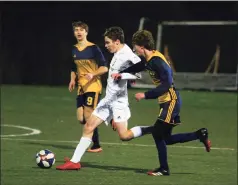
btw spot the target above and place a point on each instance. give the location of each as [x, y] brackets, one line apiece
[118, 144]
[33, 131]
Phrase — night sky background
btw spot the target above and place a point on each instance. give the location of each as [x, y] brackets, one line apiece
[36, 38]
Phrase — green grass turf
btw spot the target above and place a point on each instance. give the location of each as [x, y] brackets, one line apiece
[52, 110]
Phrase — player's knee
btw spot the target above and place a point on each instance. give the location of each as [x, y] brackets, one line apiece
[125, 137]
[88, 128]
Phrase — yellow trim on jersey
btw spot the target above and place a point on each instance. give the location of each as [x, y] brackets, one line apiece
[86, 45]
[170, 111]
[158, 54]
[168, 96]
[164, 98]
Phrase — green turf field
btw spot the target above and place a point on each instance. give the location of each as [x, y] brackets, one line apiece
[52, 111]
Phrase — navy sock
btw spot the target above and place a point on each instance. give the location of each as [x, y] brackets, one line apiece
[146, 130]
[95, 139]
[181, 138]
[162, 152]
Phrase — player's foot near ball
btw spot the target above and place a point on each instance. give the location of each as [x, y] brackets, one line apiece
[158, 172]
[69, 165]
[203, 137]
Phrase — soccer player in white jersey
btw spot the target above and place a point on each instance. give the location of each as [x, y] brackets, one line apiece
[115, 103]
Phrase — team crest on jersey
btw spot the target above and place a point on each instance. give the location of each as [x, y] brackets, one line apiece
[74, 56]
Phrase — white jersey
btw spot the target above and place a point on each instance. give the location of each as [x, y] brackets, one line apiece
[115, 103]
[116, 92]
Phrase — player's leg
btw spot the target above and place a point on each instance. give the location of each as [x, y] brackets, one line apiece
[99, 115]
[121, 115]
[161, 131]
[201, 134]
[80, 116]
[80, 111]
[84, 143]
[90, 103]
[95, 138]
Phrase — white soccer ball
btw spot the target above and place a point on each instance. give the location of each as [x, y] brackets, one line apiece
[45, 159]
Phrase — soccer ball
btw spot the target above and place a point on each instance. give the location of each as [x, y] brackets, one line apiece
[45, 159]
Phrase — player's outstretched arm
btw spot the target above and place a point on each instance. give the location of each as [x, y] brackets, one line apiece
[126, 76]
[135, 68]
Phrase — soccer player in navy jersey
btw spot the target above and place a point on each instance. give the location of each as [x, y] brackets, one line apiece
[88, 65]
[168, 97]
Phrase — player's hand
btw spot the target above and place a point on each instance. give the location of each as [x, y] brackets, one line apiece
[71, 85]
[139, 96]
[89, 76]
[116, 76]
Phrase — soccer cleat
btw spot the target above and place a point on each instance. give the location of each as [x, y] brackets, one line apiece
[203, 137]
[113, 125]
[69, 165]
[94, 150]
[66, 159]
[158, 172]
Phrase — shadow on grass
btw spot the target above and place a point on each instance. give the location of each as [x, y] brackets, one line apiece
[95, 165]
[119, 168]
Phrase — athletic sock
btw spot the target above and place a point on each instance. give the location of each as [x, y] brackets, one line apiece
[181, 138]
[84, 143]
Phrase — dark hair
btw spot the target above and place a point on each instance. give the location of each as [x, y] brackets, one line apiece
[80, 24]
[115, 33]
[143, 38]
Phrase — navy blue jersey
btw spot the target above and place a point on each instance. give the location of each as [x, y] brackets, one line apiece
[87, 60]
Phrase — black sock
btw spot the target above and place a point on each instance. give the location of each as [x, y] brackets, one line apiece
[162, 153]
[95, 139]
[146, 129]
[181, 138]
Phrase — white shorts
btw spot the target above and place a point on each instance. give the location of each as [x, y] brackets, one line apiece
[119, 113]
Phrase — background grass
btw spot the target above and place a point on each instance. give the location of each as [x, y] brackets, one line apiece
[52, 110]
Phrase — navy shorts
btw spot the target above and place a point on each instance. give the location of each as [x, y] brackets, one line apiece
[89, 99]
[169, 112]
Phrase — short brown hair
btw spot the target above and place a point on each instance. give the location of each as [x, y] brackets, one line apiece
[115, 33]
[143, 38]
[80, 24]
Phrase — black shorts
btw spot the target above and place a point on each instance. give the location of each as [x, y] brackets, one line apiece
[89, 99]
[169, 112]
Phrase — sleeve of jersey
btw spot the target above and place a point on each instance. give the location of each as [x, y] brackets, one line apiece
[165, 79]
[138, 67]
[129, 76]
[132, 76]
[73, 65]
[101, 61]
